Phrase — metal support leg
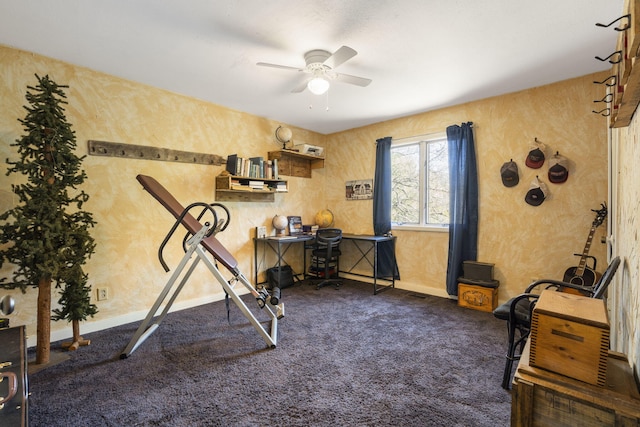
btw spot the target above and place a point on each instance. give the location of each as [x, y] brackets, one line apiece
[153, 320]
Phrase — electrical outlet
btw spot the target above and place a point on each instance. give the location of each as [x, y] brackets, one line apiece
[103, 294]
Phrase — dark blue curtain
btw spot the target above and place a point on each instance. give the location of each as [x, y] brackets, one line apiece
[382, 208]
[463, 202]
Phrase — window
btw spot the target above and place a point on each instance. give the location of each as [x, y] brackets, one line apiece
[420, 182]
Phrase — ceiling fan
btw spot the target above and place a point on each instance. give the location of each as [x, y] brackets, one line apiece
[320, 67]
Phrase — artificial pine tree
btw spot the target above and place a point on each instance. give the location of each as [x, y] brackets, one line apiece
[48, 239]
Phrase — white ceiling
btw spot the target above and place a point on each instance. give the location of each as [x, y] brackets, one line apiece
[420, 54]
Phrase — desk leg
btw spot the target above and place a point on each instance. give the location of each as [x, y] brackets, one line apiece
[255, 264]
[375, 267]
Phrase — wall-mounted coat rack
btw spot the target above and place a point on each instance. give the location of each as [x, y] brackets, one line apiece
[623, 85]
[142, 152]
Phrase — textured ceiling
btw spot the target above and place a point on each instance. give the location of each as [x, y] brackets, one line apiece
[420, 54]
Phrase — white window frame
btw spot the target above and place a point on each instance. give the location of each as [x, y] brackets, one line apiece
[423, 140]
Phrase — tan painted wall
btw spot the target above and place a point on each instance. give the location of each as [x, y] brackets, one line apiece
[523, 241]
[131, 225]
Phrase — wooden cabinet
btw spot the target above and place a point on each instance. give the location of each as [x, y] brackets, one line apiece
[544, 398]
[292, 163]
[230, 188]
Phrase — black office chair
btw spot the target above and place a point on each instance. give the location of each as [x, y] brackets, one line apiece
[326, 254]
[518, 311]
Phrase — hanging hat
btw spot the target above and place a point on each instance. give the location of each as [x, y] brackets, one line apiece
[537, 193]
[535, 158]
[558, 169]
[509, 174]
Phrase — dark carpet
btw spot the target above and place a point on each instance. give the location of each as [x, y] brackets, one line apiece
[344, 358]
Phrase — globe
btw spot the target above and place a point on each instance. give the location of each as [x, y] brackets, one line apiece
[280, 223]
[324, 218]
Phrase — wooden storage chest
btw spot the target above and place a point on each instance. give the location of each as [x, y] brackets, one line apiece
[570, 336]
[542, 398]
[477, 297]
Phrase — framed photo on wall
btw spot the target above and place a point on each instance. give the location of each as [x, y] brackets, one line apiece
[361, 189]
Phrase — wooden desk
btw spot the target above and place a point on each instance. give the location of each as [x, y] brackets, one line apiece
[544, 398]
[366, 244]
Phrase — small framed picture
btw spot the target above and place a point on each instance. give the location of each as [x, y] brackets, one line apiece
[261, 232]
[361, 189]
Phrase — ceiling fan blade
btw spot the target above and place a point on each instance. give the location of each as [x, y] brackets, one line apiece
[300, 87]
[284, 67]
[340, 56]
[353, 80]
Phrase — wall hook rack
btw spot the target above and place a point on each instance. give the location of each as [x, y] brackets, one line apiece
[612, 61]
[607, 98]
[131, 151]
[613, 78]
[622, 28]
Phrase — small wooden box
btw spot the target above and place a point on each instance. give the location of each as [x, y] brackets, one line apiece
[570, 336]
[477, 297]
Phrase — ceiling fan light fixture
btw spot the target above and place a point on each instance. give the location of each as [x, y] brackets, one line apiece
[318, 85]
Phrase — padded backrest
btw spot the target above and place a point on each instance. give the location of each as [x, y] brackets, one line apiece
[329, 236]
[606, 278]
[213, 246]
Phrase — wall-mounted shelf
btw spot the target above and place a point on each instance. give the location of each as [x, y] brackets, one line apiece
[230, 188]
[292, 163]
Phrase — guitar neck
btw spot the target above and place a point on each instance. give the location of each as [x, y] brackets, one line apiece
[583, 259]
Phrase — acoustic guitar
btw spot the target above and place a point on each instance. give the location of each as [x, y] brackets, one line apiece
[583, 275]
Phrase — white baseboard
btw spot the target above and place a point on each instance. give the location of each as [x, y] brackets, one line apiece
[407, 286]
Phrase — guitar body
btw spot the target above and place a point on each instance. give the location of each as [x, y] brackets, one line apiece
[588, 278]
[583, 275]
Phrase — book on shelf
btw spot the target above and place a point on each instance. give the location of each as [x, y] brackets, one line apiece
[232, 163]
[257, 167]
[268, 169]
[241, 187]
[278, 186]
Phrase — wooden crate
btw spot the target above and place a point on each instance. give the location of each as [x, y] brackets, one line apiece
[570, 336]
[477, 297]
[542, 398]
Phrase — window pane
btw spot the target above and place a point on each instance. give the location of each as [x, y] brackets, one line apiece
[405, 184]
[437, 182]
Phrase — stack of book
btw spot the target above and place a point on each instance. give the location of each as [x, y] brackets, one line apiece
[237, 185]
[258, 185]
[280, 186]
[317, 267]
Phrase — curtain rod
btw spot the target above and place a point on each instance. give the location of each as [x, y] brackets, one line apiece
[424, 135]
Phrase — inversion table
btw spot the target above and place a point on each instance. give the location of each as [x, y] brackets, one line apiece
[200, 240]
